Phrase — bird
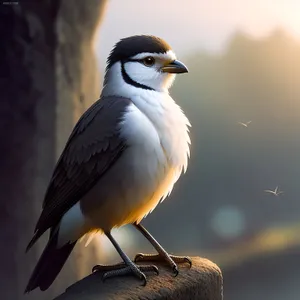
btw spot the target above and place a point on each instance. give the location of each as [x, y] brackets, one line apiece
[245, 124]
[121, 160]
[276, 192]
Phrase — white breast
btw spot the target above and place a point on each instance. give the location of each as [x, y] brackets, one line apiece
[170, 124]
[145, 157]
[158, 136]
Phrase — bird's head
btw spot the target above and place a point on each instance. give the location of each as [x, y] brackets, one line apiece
[143, 62]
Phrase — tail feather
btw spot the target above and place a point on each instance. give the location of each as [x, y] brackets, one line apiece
[50, 263]
[35, 237]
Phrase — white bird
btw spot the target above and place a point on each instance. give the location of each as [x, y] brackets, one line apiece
[123, 157]
[245, 124]
[276, 192]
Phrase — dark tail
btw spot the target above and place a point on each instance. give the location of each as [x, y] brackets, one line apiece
[49, 264]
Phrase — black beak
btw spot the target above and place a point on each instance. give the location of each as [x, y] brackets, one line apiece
[175, 67]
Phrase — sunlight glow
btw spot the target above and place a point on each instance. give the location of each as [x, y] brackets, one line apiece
[228, 222]
[123, 237]
[209, 24]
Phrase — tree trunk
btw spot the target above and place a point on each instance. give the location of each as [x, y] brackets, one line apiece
[48, 77]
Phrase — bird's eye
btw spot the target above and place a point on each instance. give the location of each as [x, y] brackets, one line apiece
[148, 61]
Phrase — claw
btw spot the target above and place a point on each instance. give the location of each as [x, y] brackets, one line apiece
[175, 271]
[144, 278]
[155, 269]
[95, 268]
[138, 256]
[188, 260]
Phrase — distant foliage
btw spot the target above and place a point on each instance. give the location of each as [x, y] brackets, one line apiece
[254, 79]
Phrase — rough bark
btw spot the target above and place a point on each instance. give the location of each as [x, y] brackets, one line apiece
[202, 282]
[48, 76]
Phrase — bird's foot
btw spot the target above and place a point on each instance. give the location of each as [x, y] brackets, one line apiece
[122, 269]
[170, 259]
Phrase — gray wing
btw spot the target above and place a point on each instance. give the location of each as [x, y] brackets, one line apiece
[93, 146]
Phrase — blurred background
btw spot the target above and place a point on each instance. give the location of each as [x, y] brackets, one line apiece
[244, 62]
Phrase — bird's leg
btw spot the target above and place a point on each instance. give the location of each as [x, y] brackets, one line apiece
[162, 253]
[125, 268]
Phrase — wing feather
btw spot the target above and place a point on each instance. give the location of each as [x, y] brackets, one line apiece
[93, 146]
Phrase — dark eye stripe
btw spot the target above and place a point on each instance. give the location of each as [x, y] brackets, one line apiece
[141, 61]
[135, 60]
[130, 81]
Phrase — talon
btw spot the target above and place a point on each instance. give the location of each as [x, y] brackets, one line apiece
[138, 256]
[175, 271]
[189, 261]
[144, 278]
[155, 269]
[95, 268]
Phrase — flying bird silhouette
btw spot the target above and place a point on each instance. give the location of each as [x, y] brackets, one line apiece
[276, 192]
[244, 124]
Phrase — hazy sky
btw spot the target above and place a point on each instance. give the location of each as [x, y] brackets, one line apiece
[198, 24]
